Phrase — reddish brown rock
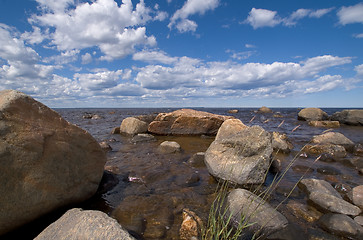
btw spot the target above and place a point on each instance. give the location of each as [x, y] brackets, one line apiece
[325, 124]
[187, 122]
[46, 162]
[191, 226]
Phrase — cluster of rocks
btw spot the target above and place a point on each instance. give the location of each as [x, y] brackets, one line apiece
[339, 213]
[318, 118]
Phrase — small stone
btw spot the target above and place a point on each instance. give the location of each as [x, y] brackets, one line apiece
[143, 137]
[356, 196]
[197, 160]
[169, 147]
[359, 220]
[191, 226]
[303, 211]
[105, 146]
[358, 149]
[115, 130]
[233, 111]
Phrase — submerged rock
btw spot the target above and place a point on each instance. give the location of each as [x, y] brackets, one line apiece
[243, 157]
[312, 114]
[328, 152]
[349, 117]
[265, 219]
[187, 122]
[133, 126]
[81, 224]
[143, 137]
[47, 162]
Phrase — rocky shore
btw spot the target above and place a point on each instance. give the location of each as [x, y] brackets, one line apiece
[49, 164]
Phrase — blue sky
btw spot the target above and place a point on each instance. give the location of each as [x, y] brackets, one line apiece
[183, 53]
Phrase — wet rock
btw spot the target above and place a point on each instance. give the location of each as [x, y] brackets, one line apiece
[133, 126]
[81, 224]
[325, 124]
[349, 117]
[242, 158]
[143, 137]
[109, 181]
[333, 138]
[303, 211]
[327, 170]
[292, 231]
[197, 160]
[342, 188]
[115, 130]
[341, 225]
[47, 162]
[359, 220]
[169, 147]
[266, 219]
[314, 185]
[356, 196]
[187, 180]
[187, 122]
[358, 149]
[328, 152]
[281, 143]
[276, 166]
[330, 203]
[233, 111]
[230, 127]
[312, 114]
[191, 226]
[319, 234]
[105, 146]
[264, 110]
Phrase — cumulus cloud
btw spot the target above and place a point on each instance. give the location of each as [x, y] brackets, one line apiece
[191, 7]
[154, 57]
[115, 30]
[359, 70]
[351, 14]
[259, 18]
[86, 58]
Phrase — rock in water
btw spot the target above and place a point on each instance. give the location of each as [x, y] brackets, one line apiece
[265, 219]
[187, 122]
[133, 126]
[349, 117]
[341, 225]
[264, 109]
[312, 114]
[79, 224]
[46, 162]
[334, 138]
[191, 226]
[243, 157]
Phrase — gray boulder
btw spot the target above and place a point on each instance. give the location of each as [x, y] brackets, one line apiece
[265, 219]
[133, 126]
[243, 157]
[330, 203]
[80, 224]
[341, 225]
[46, 162]
[334, 138]
[356, 196]
[315, 185]
[349, 117]
[312, 114]
[229, 127]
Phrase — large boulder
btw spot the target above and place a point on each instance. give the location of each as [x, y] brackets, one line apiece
[80, 224]
[46, 162]
[264, 109]
[187, 122]
[349, 117]
[229, 127]
[312, 114]
[333, 138]
[341, 225]
[133, 126]
[243, 157]
[246, 208]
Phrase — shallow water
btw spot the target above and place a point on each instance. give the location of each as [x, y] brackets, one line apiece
[162, 185]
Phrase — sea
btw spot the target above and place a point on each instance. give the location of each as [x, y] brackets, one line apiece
[146, 190]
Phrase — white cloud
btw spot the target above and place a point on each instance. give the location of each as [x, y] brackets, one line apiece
[115, 30]
[86, 58]
[359, 70]
[35, 37]
[359, 35]
[240, 55]
[250, 45]
[258, 18]
[189, 8]
[262, 18]
[64, 57]
[154, 57]
[352, 14]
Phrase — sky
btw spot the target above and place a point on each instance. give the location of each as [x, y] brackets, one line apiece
[183, 53]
